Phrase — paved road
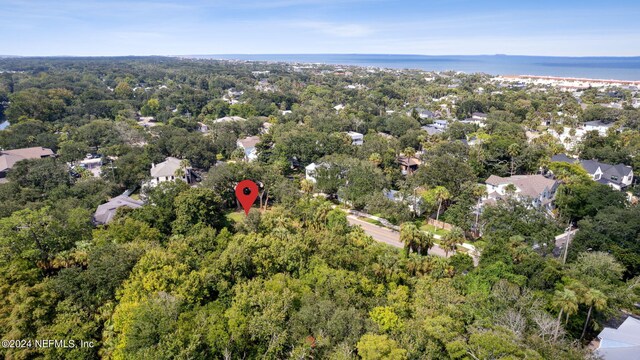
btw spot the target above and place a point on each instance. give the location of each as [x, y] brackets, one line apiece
[387, 236]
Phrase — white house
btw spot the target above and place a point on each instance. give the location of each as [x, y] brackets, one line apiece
[598, 126]
[356, 138]
[310, 172]
[538, 190]
[248, 145]
[441, 124]
[228, 119]
[170, 170]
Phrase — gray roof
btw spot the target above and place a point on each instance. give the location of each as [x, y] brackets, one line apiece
[166, 168]
[563, 158]
[432, 130]
[598, 123]
[618, 171]
[105, 212]
[621, 343]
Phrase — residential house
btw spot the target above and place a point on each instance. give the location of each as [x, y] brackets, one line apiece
[598, 126]
[248, 145]
[432, 130]
[93, 163]
[170, 170]
[415, 203]
[8, 158]
[479, 116]
[617, 176]
[310, 172]
[479, 122]
[266, 126]
[408, 165]
[339, 107]
[147, 121]
[356, 138]
[228, 119]
[440, 124]
[537, 190]
[105, 212]
[203, 128]
[423, 113]
[621, 343]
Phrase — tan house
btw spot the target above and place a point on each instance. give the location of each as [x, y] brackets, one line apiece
[8, 158]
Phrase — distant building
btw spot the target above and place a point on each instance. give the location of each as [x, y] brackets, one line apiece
[408, 165]
[479, 122]
[105, 212]
[536, 190]
[423, 113]
[203, 128]
[598, 126]
[228, 119]
[339, 107]
[170, 170]
[432, 130]
[622, 343]
[147, 121]
[310, 172]
[479, 116]
[8, 158]
[356, 138]
[248, 145]
[441, 124]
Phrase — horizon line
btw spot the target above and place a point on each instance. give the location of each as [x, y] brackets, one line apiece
[284, 54]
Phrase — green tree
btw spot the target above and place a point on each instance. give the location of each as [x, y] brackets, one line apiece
[379, 347]
[415, 239]
[198, 207]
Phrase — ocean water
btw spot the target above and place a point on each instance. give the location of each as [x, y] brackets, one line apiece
[619, 68]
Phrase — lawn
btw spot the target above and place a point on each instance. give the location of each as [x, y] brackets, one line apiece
[434, 230]
[371, 221]
[235, 216]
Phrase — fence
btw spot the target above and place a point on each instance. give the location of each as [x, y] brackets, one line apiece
[440, 224]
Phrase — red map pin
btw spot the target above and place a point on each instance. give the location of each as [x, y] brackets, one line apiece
[246, 192]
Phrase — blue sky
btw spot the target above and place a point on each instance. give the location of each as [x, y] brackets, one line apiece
[430, 27]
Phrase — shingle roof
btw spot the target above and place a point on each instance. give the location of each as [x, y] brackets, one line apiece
[249, 142]
[8, 158]
[105, 212]
[529, 185]
[166, 168]
[621, 343]
[563, 158]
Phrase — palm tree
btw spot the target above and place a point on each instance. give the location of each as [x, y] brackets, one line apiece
[441, 194]
[306, 186]
[376, 159]
[415, 239]
[409, 152]
[593, 298]
[567, 301]
[452, 239]
[513, 150]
